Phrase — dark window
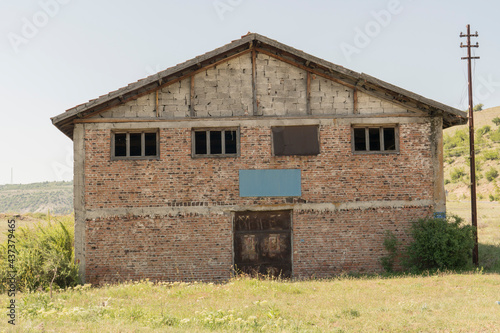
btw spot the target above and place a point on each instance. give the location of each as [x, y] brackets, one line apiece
[359, 139]
[200, 139]
[375, 139]
[215, 142]
[374, 134]
[121, 144]
[295, 140]
[218, 142]
[150, 144]
[389, 139]
[135, 145]
[231, 142]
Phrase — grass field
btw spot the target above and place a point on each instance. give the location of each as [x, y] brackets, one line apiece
[488, 225]
[437, 303]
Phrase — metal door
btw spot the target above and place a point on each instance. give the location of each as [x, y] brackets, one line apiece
[262, 243]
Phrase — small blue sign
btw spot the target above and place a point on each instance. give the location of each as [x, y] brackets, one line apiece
[270, 183]
[440, 215]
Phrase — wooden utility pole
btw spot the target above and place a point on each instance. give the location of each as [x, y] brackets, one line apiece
[475, 252]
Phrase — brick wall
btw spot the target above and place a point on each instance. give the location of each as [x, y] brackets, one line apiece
[173, 247]
[328, 243]
[198, 245]
[336, 175]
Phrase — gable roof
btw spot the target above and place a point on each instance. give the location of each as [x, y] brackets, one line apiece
[359, 81]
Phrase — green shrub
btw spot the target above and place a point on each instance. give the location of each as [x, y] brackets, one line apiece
[439, 244]
[457, 174]
[491, 154]
[495, 135]
[44, 254]
[496, 121]
[483, 130]
[491, 174]
[456, 145]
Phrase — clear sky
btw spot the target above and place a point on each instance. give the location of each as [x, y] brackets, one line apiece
[56, 54]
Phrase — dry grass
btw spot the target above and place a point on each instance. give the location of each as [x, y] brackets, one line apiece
[481, 118]
[25, 220]
[437, 303]
[488, 230]
[488, 218]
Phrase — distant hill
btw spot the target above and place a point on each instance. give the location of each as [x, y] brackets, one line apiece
[56, 197]
[487, 146]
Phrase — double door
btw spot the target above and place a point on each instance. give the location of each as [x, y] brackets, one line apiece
[262, 243]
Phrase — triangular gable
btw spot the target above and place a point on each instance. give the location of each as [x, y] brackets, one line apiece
[253, 96]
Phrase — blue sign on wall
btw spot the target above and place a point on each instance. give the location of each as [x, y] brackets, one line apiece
[440, 215]
[270, 183]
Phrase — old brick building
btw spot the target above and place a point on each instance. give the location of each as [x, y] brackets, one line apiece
[254, 155]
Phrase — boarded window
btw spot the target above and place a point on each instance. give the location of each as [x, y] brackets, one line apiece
[295, 140]
[134, 145]
[215, 142]
[375, 139]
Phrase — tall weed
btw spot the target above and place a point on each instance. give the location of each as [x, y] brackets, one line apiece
[44, 256]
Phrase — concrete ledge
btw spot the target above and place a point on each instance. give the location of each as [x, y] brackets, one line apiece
[261, 121]
[221, 210]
